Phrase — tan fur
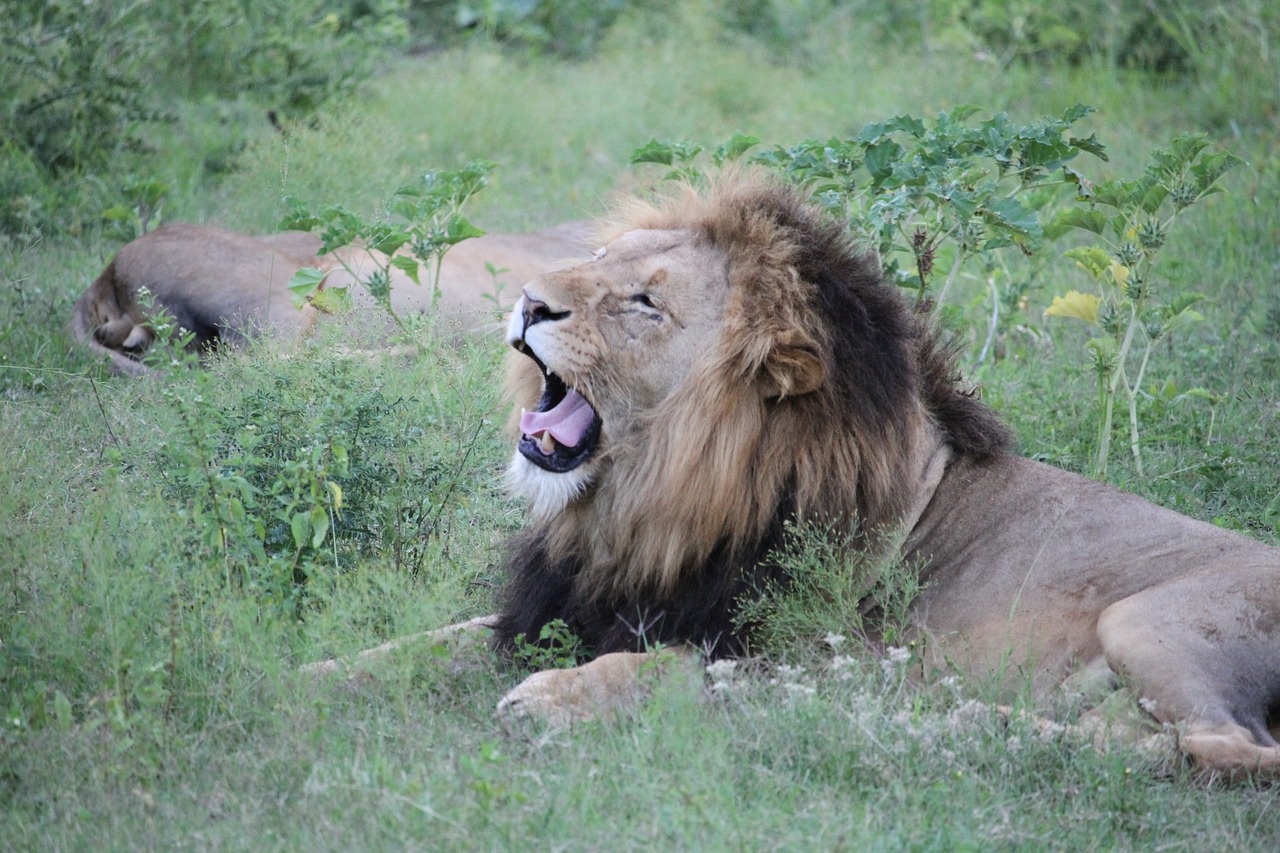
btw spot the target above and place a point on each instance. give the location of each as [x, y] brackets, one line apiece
[228, 286]
[711, 414]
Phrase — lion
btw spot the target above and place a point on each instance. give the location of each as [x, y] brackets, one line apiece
[729, 363]
[226, 287]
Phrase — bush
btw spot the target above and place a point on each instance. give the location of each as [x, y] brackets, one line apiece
[83, 80]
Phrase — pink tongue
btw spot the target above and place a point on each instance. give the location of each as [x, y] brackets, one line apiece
[567, 422]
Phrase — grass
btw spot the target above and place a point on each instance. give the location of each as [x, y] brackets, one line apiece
[151, 703]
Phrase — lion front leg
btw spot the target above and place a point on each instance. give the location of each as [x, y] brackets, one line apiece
[1203, 652]
[608, 685]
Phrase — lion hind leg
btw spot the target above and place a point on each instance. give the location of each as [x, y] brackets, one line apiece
[352, 663]
[1203, 652]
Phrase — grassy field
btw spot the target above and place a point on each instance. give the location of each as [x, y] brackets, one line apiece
[148, 666]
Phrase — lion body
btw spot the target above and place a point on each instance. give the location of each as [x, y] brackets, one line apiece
[742, 367]
[226, 287]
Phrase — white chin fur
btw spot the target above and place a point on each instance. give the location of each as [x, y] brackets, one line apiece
[548, 494]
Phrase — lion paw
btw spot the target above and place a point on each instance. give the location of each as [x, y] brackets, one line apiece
[554, 697]
[606, 686]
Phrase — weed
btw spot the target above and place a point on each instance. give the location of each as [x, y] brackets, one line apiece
[834, 587]
[428, 222]
[1134, 222]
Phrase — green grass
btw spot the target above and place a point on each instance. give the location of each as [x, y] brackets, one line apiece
[151, 703]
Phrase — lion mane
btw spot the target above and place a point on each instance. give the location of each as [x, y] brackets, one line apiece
[684, 524]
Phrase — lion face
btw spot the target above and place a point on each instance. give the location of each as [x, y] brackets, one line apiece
[610, 341]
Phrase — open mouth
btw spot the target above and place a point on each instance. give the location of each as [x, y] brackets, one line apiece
[563, 431]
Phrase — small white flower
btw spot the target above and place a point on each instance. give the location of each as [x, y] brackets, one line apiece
[834, 641]
[723, 669]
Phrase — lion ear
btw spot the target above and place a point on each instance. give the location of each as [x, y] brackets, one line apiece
[792, 368]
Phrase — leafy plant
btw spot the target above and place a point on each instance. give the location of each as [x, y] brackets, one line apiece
[74, 90]
[141, 209]
[556, 647]
[1133, 220]
[834, 586]
[928, 195]
[936, 193]
[290, 476]
[428, 221]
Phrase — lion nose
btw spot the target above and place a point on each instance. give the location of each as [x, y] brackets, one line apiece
[536, 311]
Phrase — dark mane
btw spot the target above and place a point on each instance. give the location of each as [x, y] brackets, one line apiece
[873, 327]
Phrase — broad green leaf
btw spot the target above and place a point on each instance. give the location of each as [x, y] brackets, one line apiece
[1091, 145]
[386, 238]
[1170, 161]
[1079, 217]
[460, 229]
[407, 264]
[300, 527]
[1076, 112]
[665, 153]
[304, 285]
[734, 147]
[880, 158]
[1011, 214]
[1212, 167]
[876, 131]
[1076, 305]
[336, 491]
[319, 521]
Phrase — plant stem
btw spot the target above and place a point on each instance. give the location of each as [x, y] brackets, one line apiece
[995, 319]
[951, 278]
[1133, 408]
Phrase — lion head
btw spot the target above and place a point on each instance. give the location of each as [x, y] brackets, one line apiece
[727, 362]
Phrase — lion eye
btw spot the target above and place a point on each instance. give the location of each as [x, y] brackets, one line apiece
[645, 300]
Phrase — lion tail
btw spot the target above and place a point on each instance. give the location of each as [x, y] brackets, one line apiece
[100, 322]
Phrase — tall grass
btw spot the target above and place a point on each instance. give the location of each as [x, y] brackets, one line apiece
[149, 704]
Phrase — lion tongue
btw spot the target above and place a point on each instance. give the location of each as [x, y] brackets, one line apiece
[567, 423]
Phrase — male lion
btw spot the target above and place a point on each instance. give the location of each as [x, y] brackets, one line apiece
[226, 287]
[730, 362]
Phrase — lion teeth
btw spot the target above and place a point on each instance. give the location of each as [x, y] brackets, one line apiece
[547, 444]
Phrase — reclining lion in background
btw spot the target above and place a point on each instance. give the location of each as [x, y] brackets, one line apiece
[226, 287]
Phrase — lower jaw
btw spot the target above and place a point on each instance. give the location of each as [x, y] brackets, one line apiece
[547, 493]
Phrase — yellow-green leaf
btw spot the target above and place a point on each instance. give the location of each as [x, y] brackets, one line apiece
[1120, 275]
[1081, 306]
[1092, 259]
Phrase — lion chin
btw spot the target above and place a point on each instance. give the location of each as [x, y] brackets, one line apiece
[730, 364]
